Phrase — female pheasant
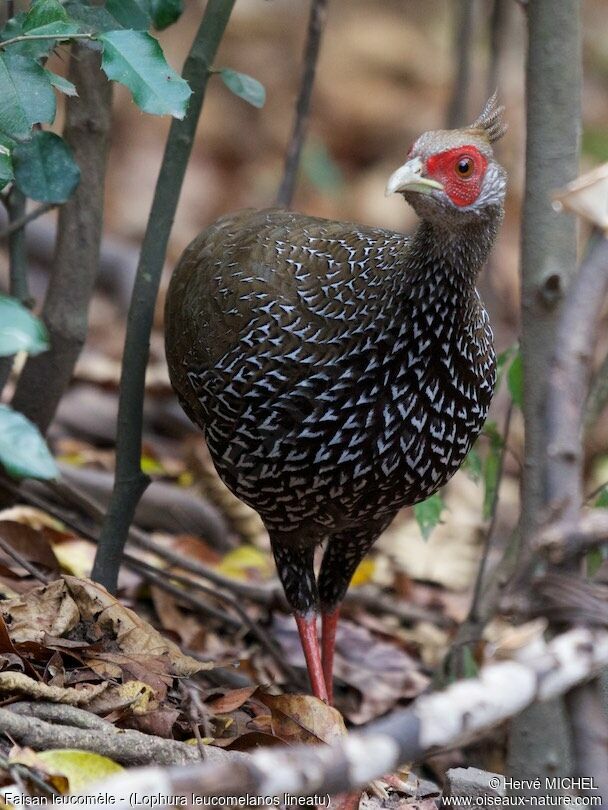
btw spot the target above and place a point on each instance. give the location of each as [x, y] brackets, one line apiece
[340, 372]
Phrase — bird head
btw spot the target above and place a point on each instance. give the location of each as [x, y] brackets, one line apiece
[450, 176]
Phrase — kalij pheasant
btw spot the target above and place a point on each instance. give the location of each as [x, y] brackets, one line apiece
[341, 372]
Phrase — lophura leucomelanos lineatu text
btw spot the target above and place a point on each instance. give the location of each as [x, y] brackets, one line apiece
[340, 372]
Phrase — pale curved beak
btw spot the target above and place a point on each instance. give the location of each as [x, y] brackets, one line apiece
[409, 177]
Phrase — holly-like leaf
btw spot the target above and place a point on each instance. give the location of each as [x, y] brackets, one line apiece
[428, 514]
[26, 96]
[45, 169]
[91, 18]
[130, 13]
[23, 451]
[515, 380]
[20, 330]
[48, 17]
[136, 60]
[244, 86]
[45, 18]
[62, 84]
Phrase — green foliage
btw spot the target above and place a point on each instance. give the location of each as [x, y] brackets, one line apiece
[139, 15]
[428, 514]
[26, 95]
[491, 467]
[135, 59]
[602, 499]
[23, 451]
[164, 12]
[45, 169]
[473, 465]
[515, 380]
[6, 166]
[20, 330]
[62, 84]
[244, 86]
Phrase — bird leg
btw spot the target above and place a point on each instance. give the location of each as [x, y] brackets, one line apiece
[307, 628]
[328, 646]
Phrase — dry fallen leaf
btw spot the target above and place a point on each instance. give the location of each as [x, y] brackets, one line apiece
[45, 610]
[303, 719]
[133, 636]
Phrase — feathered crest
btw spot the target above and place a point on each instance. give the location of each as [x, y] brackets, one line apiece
[490, 123]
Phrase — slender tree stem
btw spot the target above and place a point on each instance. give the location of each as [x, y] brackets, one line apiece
[464, 29]
[18, 284]
[76, 261]
[538, 742]
[316, 23]
[130, 482]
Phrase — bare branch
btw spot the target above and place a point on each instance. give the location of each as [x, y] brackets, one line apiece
[316, 23]
[130, 481]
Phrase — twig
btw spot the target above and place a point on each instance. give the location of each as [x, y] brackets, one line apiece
[499, 19]
[20, 560]
[65, 311]
[126, 746]
[489, 538]
[464, 29]
[462, 712]
[33, 37]
[130, 481]
[61, 714]
[316, 23]
[25, 219]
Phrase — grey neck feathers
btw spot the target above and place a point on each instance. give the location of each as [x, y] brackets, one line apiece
[450, 253]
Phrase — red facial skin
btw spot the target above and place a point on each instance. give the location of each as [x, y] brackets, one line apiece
[443, 167]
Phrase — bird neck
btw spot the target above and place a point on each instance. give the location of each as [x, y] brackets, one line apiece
[440, 252]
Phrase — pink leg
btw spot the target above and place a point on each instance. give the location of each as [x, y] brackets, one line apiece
[307, 628]
[330, 623]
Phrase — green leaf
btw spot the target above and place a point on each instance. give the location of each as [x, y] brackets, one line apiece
[602, 499]
[428, 514]
[45, 169]
[20, 330]
[6, 166]
[593, 559]
[23, 451]
[164, 12]
[91, 18]
[46, 17]
[135, 59]
[515, 380]
[503, 360]
[491, 467]
[473, 465]
[244, 86]
[130, 13]
[26, 96]
[62, 84]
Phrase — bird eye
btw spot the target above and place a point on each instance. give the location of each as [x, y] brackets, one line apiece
[465, 167]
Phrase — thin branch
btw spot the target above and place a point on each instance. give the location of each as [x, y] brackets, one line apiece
[126, 746]
[462, 712]
[25, 219]
[33, 37]
[316, 24]
[130, 481]
[65, 311]
[20, 560]
[464, 30]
